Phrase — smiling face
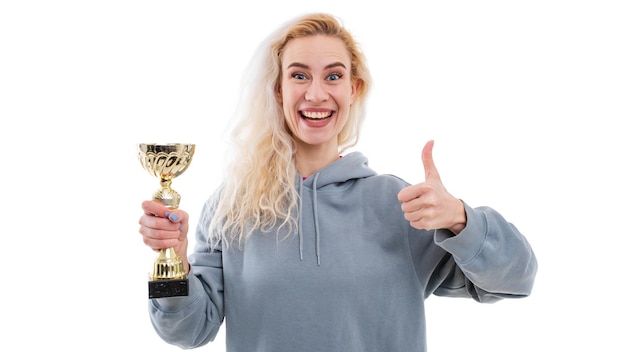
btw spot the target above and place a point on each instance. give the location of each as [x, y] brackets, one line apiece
[316, 90]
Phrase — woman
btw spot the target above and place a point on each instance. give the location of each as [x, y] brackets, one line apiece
[303, 249]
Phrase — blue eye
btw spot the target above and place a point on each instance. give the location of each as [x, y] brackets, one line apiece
[334, 76]
[298, 76]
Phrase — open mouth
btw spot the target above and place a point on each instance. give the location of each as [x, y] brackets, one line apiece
[316, 115]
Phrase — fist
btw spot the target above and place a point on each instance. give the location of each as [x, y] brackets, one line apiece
[162, 228]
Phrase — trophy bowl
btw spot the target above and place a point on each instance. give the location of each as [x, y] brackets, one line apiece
[166, 162]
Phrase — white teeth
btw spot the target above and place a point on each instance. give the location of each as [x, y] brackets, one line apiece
[316, 115]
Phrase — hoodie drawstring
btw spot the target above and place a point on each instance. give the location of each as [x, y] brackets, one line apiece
[300, 217]
[315, 219]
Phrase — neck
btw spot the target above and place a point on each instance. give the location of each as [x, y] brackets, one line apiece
[311, 160]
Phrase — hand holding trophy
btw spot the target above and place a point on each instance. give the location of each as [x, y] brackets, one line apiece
[167, 161]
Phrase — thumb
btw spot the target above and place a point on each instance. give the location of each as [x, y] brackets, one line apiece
[430, 171]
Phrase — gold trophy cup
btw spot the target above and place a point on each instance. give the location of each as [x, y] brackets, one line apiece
[167, 161]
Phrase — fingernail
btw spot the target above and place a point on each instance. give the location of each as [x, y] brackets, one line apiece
[173, 217]
[167, 214]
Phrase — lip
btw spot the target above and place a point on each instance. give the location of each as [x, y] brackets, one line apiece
[316, 113]
[316, 117]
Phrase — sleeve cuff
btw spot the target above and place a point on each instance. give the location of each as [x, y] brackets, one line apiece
[466, 245]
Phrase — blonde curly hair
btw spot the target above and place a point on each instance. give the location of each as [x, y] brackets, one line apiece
[259, 191]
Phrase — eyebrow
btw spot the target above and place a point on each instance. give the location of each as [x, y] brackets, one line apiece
[301, 65]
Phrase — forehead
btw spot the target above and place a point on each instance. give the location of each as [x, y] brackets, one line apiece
[318, 49]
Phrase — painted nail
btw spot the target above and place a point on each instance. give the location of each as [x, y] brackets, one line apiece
[173, 217]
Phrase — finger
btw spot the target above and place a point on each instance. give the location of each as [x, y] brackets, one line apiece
[154, 208]
[406, 194]
[154, 223]
[160, 240]
[409, 193]
[430, 171]
[425, 199]
[177, 216]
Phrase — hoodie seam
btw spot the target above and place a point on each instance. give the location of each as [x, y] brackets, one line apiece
[407, 243]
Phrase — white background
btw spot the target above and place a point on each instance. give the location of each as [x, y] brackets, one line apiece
[525, 100]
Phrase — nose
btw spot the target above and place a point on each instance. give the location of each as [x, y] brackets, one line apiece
[316, 92]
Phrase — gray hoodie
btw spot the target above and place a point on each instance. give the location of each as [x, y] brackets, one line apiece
[354, 277]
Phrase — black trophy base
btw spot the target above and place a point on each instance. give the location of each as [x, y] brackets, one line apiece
[168, 288]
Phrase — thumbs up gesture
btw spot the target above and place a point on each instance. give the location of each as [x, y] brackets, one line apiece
[428, 205]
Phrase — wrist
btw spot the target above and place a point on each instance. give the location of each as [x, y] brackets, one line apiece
[460, 219]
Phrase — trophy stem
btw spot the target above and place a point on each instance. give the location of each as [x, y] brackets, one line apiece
[166, 182]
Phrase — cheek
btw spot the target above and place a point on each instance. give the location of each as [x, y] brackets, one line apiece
[289, 101]
[290, 115]
[346, 99]
[287, 106]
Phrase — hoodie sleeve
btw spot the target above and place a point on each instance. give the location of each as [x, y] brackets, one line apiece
[194, 320]
[489, 260]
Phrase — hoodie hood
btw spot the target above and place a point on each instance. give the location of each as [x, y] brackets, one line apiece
[350, 167]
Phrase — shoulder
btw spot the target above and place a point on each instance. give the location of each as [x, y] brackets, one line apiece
[385, 181]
